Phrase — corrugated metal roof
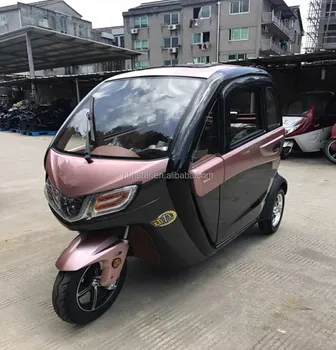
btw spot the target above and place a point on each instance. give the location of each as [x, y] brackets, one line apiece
[52, 50]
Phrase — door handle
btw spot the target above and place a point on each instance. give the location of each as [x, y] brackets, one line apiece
[277, 146]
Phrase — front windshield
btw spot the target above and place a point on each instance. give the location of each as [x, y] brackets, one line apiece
[133, 118]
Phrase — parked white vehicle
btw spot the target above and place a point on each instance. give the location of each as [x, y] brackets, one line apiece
[308, 121]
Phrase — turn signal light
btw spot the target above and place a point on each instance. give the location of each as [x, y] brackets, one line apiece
[113, 201]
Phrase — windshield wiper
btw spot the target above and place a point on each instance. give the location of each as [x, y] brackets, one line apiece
[90, 134]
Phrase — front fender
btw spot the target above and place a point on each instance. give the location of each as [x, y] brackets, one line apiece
[89, 248]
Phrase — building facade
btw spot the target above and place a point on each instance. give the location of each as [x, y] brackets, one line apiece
[171, 32]
[327, 27]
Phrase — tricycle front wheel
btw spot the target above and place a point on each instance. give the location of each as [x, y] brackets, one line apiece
[78, 298]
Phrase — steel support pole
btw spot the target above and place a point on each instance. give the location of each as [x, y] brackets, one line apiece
[77, 90]
[31, 64]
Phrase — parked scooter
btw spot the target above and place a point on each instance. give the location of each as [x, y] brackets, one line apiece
[167, 165]
[330, 147]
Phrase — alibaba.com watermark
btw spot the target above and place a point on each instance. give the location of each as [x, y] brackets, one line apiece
[168, 176]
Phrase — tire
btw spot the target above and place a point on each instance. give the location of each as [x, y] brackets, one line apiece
[271, 226]
[66, 303]
[285, 154]
[326, 150]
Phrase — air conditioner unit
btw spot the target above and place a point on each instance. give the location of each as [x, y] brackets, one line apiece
[134, 31]
[172, 50]
[172, 27]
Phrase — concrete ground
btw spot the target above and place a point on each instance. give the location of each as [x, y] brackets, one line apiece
[275, 292]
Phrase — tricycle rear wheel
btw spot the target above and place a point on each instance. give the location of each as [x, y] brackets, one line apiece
[71, 288]
[272, 225]
[330, 150]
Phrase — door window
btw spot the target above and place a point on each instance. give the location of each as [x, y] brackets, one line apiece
[209, 140]
[272, 112]
[244, 116]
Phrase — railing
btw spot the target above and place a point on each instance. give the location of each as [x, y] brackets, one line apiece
[329, 40]
[270, 17]
[270, 45]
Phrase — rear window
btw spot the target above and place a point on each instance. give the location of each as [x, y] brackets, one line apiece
[301, 106]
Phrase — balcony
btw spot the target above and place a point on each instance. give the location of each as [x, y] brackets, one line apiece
[270, 47]
[276, 25]
[329, 42]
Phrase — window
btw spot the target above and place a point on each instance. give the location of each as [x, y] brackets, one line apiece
[245, 115]
[209, 140]
[141, 22]
[63, 24]
[141, 65]
[238, 34]
[43, 22]
[170, 62]
[170, 42]
[3, 20]
[273, 117]
[83, 31]
[172, 18]
[204, 59]
[141, 45]
[120, 41]
[236, 57]
[239, 6]
[202, 12]
[200, 38]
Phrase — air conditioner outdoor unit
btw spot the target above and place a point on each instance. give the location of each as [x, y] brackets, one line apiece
[134, 31]
[172, 27]
[172, 50]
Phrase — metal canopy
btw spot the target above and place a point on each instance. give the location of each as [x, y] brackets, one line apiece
[307, 58]
[32, 48]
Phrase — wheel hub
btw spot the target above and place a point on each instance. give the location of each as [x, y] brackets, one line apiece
[277, 210]
[90, 294]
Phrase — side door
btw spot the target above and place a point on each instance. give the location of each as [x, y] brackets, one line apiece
[207, 171]
[253, 143]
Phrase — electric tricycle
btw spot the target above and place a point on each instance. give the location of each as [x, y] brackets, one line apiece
[167, 165]
[308, 121]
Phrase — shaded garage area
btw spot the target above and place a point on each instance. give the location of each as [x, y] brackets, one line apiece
[298, 73]
[259, 292]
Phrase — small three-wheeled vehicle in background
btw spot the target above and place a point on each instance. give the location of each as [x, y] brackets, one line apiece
[168, 165]
[308, 121]
[330, 146]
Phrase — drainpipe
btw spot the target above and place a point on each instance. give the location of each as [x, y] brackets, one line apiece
[218, 29]
[20, 17]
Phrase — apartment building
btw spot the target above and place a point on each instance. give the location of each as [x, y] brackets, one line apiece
[112, 36]
[172, 32]
[327, 24]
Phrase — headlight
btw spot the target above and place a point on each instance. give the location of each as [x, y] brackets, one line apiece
[86, 208]
[112, 201]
